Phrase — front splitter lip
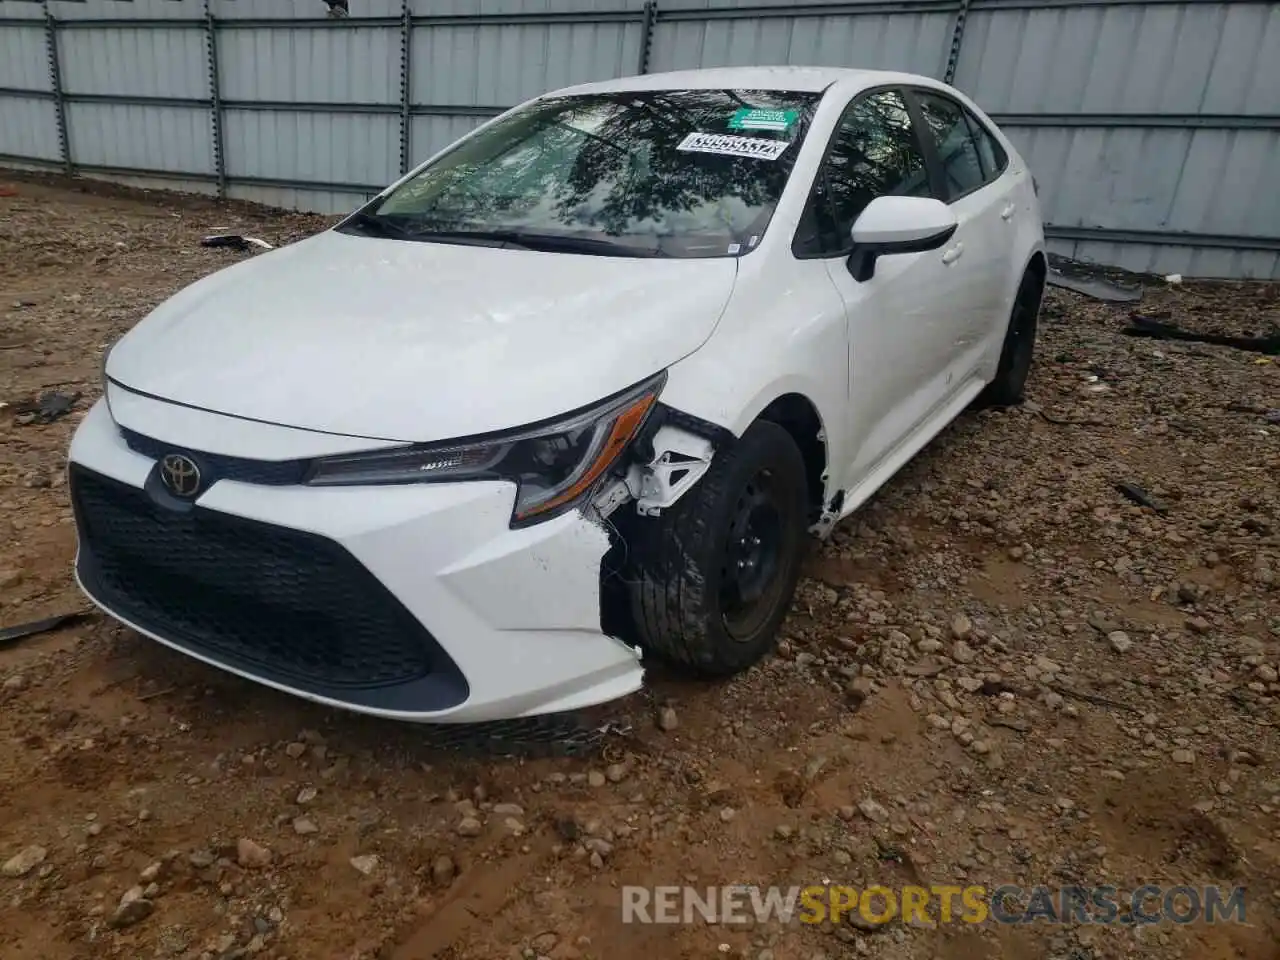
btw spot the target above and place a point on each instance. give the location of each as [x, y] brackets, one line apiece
[629, 679]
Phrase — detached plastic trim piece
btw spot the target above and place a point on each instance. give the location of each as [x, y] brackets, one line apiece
[23, 630]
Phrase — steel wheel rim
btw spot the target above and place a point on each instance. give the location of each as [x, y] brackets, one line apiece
[752, 560]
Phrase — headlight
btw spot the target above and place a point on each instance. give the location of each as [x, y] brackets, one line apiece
[106, 355]
[554, 466]
[102, 373]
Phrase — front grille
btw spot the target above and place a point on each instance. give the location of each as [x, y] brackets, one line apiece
[277, 603]
[220, 467]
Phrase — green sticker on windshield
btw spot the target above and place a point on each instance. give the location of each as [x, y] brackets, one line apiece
[749, 118]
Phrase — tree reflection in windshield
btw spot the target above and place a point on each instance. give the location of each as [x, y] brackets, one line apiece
[608, 166]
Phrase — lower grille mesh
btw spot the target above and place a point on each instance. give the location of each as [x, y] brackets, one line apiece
[296, 606]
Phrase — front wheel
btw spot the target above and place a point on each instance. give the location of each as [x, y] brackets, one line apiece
[710, 580]
[1009, 385]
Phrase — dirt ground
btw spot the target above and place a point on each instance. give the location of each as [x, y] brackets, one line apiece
[1000, 671]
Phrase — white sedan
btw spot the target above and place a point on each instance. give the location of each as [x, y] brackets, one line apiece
[571, 393]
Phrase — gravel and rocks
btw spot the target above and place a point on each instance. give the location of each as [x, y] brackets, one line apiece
[24, 861]
[365, 864]
[252, 855]
[134, 907]
[1001, 670]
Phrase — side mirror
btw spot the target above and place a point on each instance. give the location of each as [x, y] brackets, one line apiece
[889, 225]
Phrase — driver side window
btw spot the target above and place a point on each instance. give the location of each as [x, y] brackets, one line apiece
[873, 153]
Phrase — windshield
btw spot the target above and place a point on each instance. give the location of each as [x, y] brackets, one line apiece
[685, 173]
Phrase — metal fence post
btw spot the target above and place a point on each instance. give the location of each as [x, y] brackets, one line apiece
[957, 37]
[55, 78]
[215, 98]
[406, 91]
[646, 34]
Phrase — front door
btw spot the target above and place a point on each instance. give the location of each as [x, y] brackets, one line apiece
[903, 323]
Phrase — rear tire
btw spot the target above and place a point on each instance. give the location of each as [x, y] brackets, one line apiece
[1009, 386]
[711, 579]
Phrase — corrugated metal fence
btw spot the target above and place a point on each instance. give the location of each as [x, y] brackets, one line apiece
[1152, 126]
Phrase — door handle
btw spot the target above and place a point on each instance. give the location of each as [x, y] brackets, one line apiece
[1008, 212]
[953, 254]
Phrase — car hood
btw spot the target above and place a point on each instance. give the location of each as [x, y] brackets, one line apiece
[410, 341]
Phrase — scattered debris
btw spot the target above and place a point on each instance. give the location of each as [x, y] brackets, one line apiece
[1144, 326]
[1065, 421]
[24, 630]
[156, 694]
[1139, 496]
[235, 241]
[1093, 698]
[51, 406]
[1093, 281]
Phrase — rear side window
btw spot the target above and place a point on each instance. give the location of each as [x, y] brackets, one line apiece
[874, 153]
[992, 155]
[949, 129]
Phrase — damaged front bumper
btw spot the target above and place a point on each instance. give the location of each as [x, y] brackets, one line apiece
[413, 602]
[665, 462]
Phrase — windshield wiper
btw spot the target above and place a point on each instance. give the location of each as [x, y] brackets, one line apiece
[555, 242]
[376, 226]
[477, 238]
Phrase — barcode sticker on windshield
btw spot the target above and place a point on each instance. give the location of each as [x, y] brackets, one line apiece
[730, 146]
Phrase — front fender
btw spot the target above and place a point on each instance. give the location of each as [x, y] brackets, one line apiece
[772, 341]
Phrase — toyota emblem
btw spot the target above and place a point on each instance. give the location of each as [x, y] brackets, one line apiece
[180, 475]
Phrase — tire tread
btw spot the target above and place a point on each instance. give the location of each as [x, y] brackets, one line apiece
[667, 582]
[1002, 391]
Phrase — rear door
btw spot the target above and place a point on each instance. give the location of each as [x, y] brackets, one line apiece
[971, 184]
[1019, 212]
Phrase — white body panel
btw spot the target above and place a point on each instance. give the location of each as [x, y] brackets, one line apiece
[408, 341]
[341, 344]
[881, 364]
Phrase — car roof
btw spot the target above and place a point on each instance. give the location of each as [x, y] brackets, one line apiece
[802, 79]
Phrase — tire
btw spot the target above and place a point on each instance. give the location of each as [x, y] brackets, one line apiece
[740, 532]
[1008, 387]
